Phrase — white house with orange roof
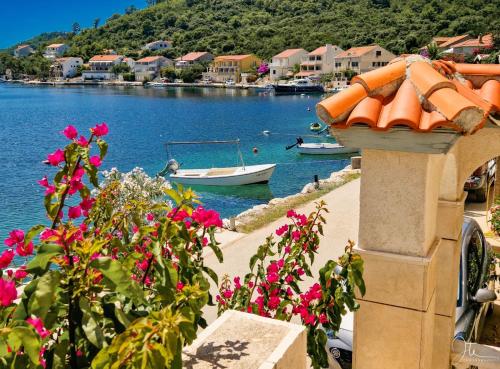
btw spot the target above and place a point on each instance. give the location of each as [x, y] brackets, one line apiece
[362, 59]
[470, 46]
[193, 58]
[149, 68]
[319, 61]
[101, 67]
[283, 64]
[65, 67]
[23, 50]
[55, 50]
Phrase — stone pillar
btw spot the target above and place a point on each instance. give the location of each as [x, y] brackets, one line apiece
[399, 242]
[497, 180]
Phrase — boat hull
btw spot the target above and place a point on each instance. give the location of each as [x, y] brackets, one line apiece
[325, 149]
[292, 90]
[253, 174]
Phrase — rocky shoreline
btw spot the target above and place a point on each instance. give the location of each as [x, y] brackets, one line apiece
[336, 179]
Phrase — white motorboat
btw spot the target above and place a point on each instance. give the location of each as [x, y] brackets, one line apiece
[223, 176]
[228, 176]
[324, 148]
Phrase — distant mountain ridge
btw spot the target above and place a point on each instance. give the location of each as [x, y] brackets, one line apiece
[266, 27]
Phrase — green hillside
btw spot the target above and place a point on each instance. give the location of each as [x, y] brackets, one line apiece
[265, 27]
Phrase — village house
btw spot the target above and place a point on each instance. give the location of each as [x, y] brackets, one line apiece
[23, 50]
[158, 45]
[101, 67]
[231, 67]
[193, 58]
[445, 43]
[472, 45]
[319, 61]
[65, 67]
[55, 50]
[283, 64]
[149, 68]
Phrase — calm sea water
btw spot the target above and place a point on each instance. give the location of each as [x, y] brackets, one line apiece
[140, 121]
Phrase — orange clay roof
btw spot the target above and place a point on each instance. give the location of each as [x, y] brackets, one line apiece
[104, 58]
[233, 57]
[320, 50]
[486, 41]
[355, 52]
[417, 93]
[55, 45]
[150, 59]
[451, 41]
[193, 56]
[288, 53]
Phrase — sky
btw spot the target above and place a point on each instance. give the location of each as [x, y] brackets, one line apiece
[24, 19]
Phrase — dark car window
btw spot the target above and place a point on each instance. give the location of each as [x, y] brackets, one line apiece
[474, 262]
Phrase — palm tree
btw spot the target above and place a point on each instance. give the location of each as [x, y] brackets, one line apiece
[76, 28]
[96, 23]
[433, 51]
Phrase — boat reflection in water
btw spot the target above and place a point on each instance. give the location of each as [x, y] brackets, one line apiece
[250, 192]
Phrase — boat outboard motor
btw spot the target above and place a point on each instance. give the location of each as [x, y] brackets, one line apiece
[172, 166]
[300, 141]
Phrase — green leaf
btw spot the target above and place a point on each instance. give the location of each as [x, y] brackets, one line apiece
[89, 324]
[34, 231]
[217, 251]
[118, 278]
[212, 274]
[40, 263]
[45, 294]
[103, 148]
[28, 339]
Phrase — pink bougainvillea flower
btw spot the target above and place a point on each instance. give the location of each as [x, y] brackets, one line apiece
[237, 283]
[272, 277]
[281, 263]
[274, 302]
[56, 157]
[227, 293]
[291, 213]
[100, 130]
[300, 271]
[208, 218]
[38, 325]
[74, 212]
[296, 235]
[50, 190]
[21, 273]
[23, 249]
[47, 233]
[82, 141]
[288, 249]
[8, 292]
[289, 278]
[16, 236]
[150, 217]
[179, 286]
[282, 230]
[323, 318]
[301, 220]
[95, 161]
[6, 258]
[87, 203]
[70, 132]
[78, 173]
[44, 182]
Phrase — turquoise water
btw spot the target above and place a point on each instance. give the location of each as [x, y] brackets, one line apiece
[140, 121]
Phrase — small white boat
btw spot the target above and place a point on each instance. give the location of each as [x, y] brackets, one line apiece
[224, 176]
[324, 148]
[229, 176]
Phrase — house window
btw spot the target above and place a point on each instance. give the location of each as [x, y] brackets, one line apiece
[274, 71]
[374, 64]
[355, 64]
[318, 67]
[318, 57]
[338, 65]
[378, 53]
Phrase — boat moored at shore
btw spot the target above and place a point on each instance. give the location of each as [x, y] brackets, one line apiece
[299, 86]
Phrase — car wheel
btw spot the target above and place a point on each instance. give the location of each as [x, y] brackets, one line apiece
[332, 363]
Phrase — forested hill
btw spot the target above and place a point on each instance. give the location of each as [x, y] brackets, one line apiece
[266, 27]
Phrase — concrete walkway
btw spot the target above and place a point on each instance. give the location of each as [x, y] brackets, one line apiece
[342, 225]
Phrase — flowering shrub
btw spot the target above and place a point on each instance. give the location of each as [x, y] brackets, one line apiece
[115, 280]
[273, 286]
[495, 217]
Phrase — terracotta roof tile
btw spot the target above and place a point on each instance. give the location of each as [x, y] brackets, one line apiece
[319, 51]
[452, 40]
[233, 57]
[193, 56]
[149, 59]
[99, 58]
[419, 94]
[288, 53]
[355, 52]
[484, 41]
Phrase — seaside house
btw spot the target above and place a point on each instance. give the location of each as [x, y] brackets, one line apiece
[130, 62]
[196, 57]
[55, 50]
[472, 45]
[149, 68]
[283, 64]
[158, 45]
[65, 67]
[319, 61]
[101, 67]
[231, 67]
[23, 50]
